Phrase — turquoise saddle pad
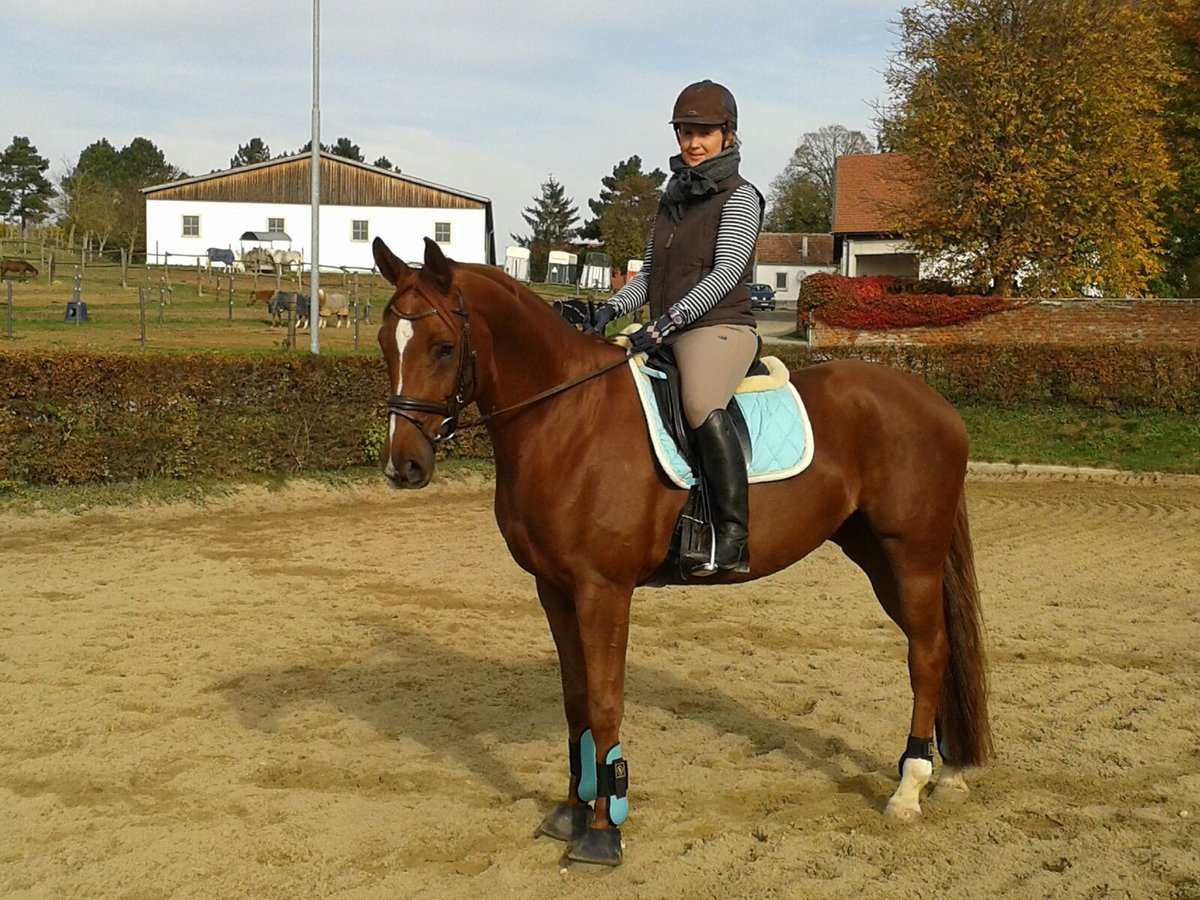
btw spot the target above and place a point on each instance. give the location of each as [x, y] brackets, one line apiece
[780, 431]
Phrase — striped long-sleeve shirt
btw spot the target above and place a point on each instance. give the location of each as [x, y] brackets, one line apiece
[741, 219]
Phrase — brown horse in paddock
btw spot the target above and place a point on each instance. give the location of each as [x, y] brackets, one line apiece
[583, 507]
[18, 267]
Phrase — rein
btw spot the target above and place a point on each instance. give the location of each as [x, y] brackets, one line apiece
[529, 401]
[464, 392]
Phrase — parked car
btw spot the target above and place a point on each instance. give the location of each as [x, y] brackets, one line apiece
[762, 296]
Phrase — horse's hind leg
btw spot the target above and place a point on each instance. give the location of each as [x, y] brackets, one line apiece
[909, 587]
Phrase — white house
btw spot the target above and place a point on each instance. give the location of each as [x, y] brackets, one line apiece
[358, 203]
[783, 260]
[870, 190]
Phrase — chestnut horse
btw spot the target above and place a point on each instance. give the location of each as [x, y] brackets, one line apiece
[584, 508]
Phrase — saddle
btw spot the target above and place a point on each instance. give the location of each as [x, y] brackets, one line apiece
[668, 395]
[659, 386]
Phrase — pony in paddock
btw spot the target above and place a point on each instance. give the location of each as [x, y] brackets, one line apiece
[17, 267]
[585, 509]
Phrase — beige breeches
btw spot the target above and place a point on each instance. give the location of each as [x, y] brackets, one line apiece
[713, 360]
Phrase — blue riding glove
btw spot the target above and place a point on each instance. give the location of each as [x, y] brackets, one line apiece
[601, 316]
[652, 334]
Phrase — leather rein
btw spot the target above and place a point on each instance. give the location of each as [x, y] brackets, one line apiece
[466, 380]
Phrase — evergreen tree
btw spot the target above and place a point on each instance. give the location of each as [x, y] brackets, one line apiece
[1034, 130]
[25, 192]
[384, 163]
[801, 196]
[625, 210]
[552, 218]
[103, 191]
[346, 149]
[256, 151]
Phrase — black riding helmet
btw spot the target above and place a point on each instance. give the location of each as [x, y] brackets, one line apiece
[705, 103]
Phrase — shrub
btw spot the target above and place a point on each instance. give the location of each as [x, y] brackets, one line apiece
[884, 302]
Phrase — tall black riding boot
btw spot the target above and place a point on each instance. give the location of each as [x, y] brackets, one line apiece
[724, 468]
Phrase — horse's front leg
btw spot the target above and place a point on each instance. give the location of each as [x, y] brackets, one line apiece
[569, 821]
[602, 611]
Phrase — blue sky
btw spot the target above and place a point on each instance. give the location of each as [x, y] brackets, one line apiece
[488, 97]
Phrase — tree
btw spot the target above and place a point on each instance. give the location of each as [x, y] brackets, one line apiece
[25, 192]
[102, 192]
[1034, 133]
[1181, 204]
[624, 212]
[384, 163]
[798, 205]
[801, 196]
[552, 218]
[346, 149]
[256, 151]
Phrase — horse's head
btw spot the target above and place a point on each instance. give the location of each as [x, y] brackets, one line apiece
[426, 343]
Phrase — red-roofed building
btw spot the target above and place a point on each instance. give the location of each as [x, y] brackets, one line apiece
[783, 260]
[869, 191]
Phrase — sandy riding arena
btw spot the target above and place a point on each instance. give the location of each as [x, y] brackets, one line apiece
[199, 701]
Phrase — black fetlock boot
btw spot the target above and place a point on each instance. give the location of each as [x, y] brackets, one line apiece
[724, 468]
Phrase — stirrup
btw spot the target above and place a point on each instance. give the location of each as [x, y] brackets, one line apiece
[706, 567]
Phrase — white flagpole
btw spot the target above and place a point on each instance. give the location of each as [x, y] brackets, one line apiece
[314, 302]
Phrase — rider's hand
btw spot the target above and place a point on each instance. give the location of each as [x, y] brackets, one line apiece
[651, 334]
[603, 314]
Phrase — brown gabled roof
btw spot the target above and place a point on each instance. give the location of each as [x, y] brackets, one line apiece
[869, 191]
[788, 249]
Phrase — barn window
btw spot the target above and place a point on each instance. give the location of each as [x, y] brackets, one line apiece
[441, 232]
[191, 226]
[359, 230]
[780, 280]
[275, 225]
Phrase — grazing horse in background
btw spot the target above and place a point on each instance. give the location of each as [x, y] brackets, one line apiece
[218, 255]
[18, 267]
[283, 302]
[335, 305]
[585, 509]
[287, 260]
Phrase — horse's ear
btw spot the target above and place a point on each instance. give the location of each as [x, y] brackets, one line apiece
[392, 267]
[437, 267]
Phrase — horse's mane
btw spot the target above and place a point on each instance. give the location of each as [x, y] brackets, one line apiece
[524, 295]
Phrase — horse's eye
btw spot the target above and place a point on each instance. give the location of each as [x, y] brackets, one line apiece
[443, 351]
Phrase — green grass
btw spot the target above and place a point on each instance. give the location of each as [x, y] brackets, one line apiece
[1143, 441]
[19, 498]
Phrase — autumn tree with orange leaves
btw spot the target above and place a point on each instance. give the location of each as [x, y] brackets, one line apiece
[1035, 133]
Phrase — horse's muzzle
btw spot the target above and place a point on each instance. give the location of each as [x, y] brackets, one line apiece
[408, 474]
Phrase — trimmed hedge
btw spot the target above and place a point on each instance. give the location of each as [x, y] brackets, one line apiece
[75, 418]
[1115, 377]
[881, 302]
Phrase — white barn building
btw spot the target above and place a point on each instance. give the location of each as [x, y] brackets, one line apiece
[358, 203]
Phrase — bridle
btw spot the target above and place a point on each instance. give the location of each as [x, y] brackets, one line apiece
[466, 380]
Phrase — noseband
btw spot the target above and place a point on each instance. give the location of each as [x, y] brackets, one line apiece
[464, 382]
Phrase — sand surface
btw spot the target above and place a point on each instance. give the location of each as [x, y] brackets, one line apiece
[197, 702]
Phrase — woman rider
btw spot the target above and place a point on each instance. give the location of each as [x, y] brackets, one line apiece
[694, 279]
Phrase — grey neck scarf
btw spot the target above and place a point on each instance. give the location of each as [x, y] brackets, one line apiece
[691, 183]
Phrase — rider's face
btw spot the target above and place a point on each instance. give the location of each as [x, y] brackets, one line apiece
[698, 142]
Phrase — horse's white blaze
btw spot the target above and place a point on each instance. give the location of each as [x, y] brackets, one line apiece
[905, 804]
[404, 333]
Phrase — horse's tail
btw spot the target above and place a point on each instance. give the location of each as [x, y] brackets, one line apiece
[964, 732]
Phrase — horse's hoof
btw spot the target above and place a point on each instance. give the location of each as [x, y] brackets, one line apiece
[898, 812]
[566, 823]
[951, 788]
[599, 846]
